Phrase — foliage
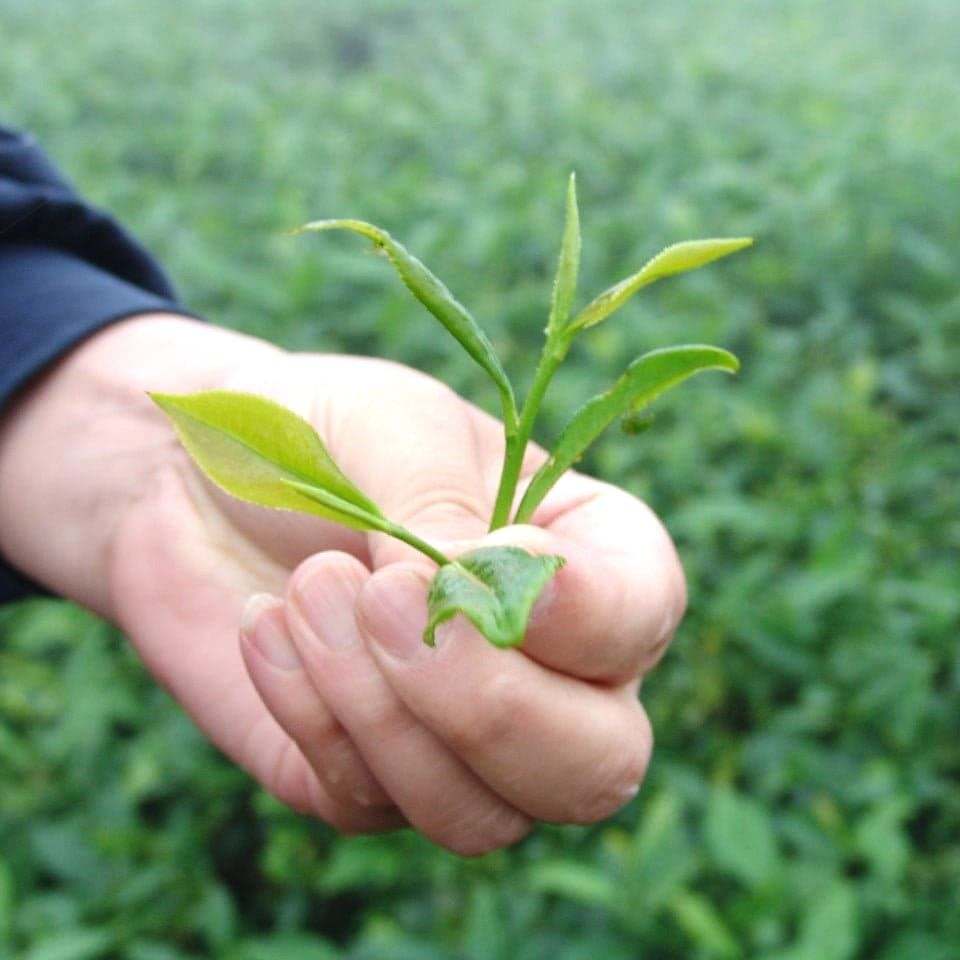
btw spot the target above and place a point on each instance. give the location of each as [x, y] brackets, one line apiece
[802, 802]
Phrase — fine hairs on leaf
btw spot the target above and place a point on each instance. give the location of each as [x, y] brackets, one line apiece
[260, 452]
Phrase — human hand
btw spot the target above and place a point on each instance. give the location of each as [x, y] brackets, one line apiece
[330, 699]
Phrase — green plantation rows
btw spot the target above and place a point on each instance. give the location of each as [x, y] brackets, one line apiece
[803, 800]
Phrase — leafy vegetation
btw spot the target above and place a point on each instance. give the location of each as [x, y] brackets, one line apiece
[803, 799]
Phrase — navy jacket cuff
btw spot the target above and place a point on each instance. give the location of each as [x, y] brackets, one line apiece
[51, 300]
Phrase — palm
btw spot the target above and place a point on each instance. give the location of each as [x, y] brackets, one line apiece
[189, 557]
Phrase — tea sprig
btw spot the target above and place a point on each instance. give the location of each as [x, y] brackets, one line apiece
[260, 452]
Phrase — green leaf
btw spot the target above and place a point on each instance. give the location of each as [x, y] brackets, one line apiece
[485, 936]
[740, 837]
[78, 943]
[678, 258]
[568, 266]
[644, 380]
[259, 452]
[434, 295]
[703, 924]
[287, 946]
[882, 840]
[7, 905]
[495, 588]
[830, 929]
[582, 883]
[661, 857]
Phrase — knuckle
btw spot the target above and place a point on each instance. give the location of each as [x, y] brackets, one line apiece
[503, 828]
[337, 766]
[348, 819]
[322, 734]
[492, 716]
[346, 824]
[616, 780]
[291, 781]
[387, 719]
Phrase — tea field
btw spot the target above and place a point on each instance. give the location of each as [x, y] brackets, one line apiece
[804, 799]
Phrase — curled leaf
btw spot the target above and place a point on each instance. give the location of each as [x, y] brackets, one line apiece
[678, 258]
[568, 265]
[258, 451]
[434, 295]
[495, 588]
[644, 380]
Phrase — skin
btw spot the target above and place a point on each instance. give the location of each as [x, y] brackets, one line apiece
[293, 643]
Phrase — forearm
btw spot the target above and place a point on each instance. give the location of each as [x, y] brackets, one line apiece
[83, 442]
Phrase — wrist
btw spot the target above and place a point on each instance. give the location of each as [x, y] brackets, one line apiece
[83, 443]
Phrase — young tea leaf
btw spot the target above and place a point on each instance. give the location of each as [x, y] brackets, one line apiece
[434, 295]
[257, 450]
[645, 379]
[568, 266]
[495, 588]
[678, 258]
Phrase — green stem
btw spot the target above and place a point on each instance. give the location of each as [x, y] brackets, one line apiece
[401, 533]
[554, 350]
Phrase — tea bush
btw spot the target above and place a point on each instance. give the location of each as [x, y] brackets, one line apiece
[803, 803]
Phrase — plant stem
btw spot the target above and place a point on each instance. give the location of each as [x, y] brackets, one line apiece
[554, 350]
[401, 533]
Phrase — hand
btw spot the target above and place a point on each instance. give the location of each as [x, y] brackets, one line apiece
[330, 699]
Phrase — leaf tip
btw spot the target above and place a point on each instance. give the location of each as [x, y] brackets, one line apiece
[726, 361]
[163, 400]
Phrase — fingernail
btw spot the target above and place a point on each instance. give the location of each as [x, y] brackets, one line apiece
[393, 613]
[263, 624]
[325, 604]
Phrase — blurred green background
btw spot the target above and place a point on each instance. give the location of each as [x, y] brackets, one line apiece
[804, 800]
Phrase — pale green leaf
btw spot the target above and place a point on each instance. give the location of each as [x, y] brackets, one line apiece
[830, 929]
[678, 258]
[78, 943]
[257, 451]
[7, 903]
[495, 588]
[703, 924]
[287, 946]
[568, 266]
[881, 839]
[485, 936]
[740, 837]
[661, 857]
[644, 380]
[434, 295]
[578, 882]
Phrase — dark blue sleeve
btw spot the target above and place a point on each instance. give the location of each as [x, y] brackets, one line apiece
[66, 270]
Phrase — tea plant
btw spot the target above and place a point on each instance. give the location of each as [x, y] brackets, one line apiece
[258, 451]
